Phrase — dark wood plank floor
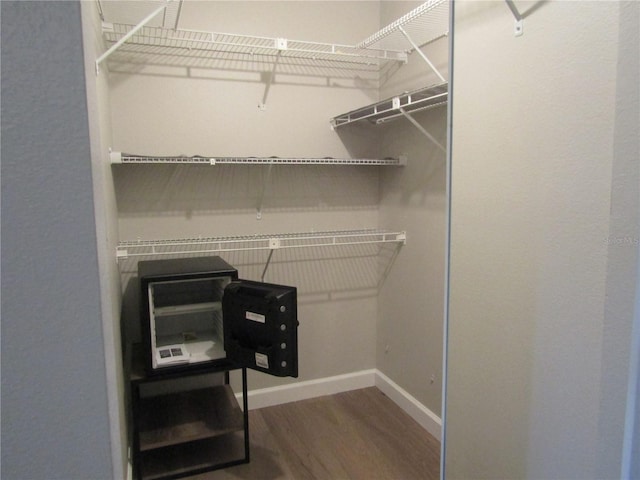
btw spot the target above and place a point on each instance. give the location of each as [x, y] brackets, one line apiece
[360, 434]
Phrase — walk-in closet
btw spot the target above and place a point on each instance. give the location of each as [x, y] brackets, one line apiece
[374, 197]
[304, 143]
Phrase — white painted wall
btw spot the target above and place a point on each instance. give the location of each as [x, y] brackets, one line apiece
[55, 413]
[411, 301]
[544, 180]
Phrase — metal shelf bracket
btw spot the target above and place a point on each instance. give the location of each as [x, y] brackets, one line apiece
[421, 53]
[421, 128]
[518, 28]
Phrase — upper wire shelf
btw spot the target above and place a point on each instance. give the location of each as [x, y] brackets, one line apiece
[149, 39]
[136, 248]
[409, 102]
[125, 158]
[424, 24]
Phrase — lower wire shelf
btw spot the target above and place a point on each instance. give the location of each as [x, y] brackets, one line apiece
[408, 102]
[118, 158]
[205, 245]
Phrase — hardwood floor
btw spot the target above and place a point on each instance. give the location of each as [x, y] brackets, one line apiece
[360, 434]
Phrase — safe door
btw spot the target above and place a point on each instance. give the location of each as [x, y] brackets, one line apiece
[260, 323]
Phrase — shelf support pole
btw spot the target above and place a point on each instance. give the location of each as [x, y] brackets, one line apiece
[421, 53]
[266, 266]
[274, 243]
[129, 34]
[281, 44]
[516, 14]
[422, 129]
[263, 190]
[172, 15]
[390, 263]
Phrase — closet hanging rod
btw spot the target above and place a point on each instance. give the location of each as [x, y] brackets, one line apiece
[138, 248]
[125, 158]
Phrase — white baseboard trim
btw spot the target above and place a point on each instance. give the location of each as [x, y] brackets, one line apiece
[416, 410]
[267, 397]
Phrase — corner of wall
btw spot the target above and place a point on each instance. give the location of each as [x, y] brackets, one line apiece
[106, 230]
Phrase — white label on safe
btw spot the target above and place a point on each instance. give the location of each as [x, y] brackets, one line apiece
[256, 317]
[262, 360]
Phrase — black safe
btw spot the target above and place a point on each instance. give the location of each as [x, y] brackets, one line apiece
[195, 312]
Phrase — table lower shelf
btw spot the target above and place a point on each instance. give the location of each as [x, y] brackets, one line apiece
[193, 457]
[187, 416]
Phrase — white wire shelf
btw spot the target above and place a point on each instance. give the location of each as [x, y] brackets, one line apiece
[125, 158]
[136, 248]
[423, 25]
[150, 39]
[409, 102]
